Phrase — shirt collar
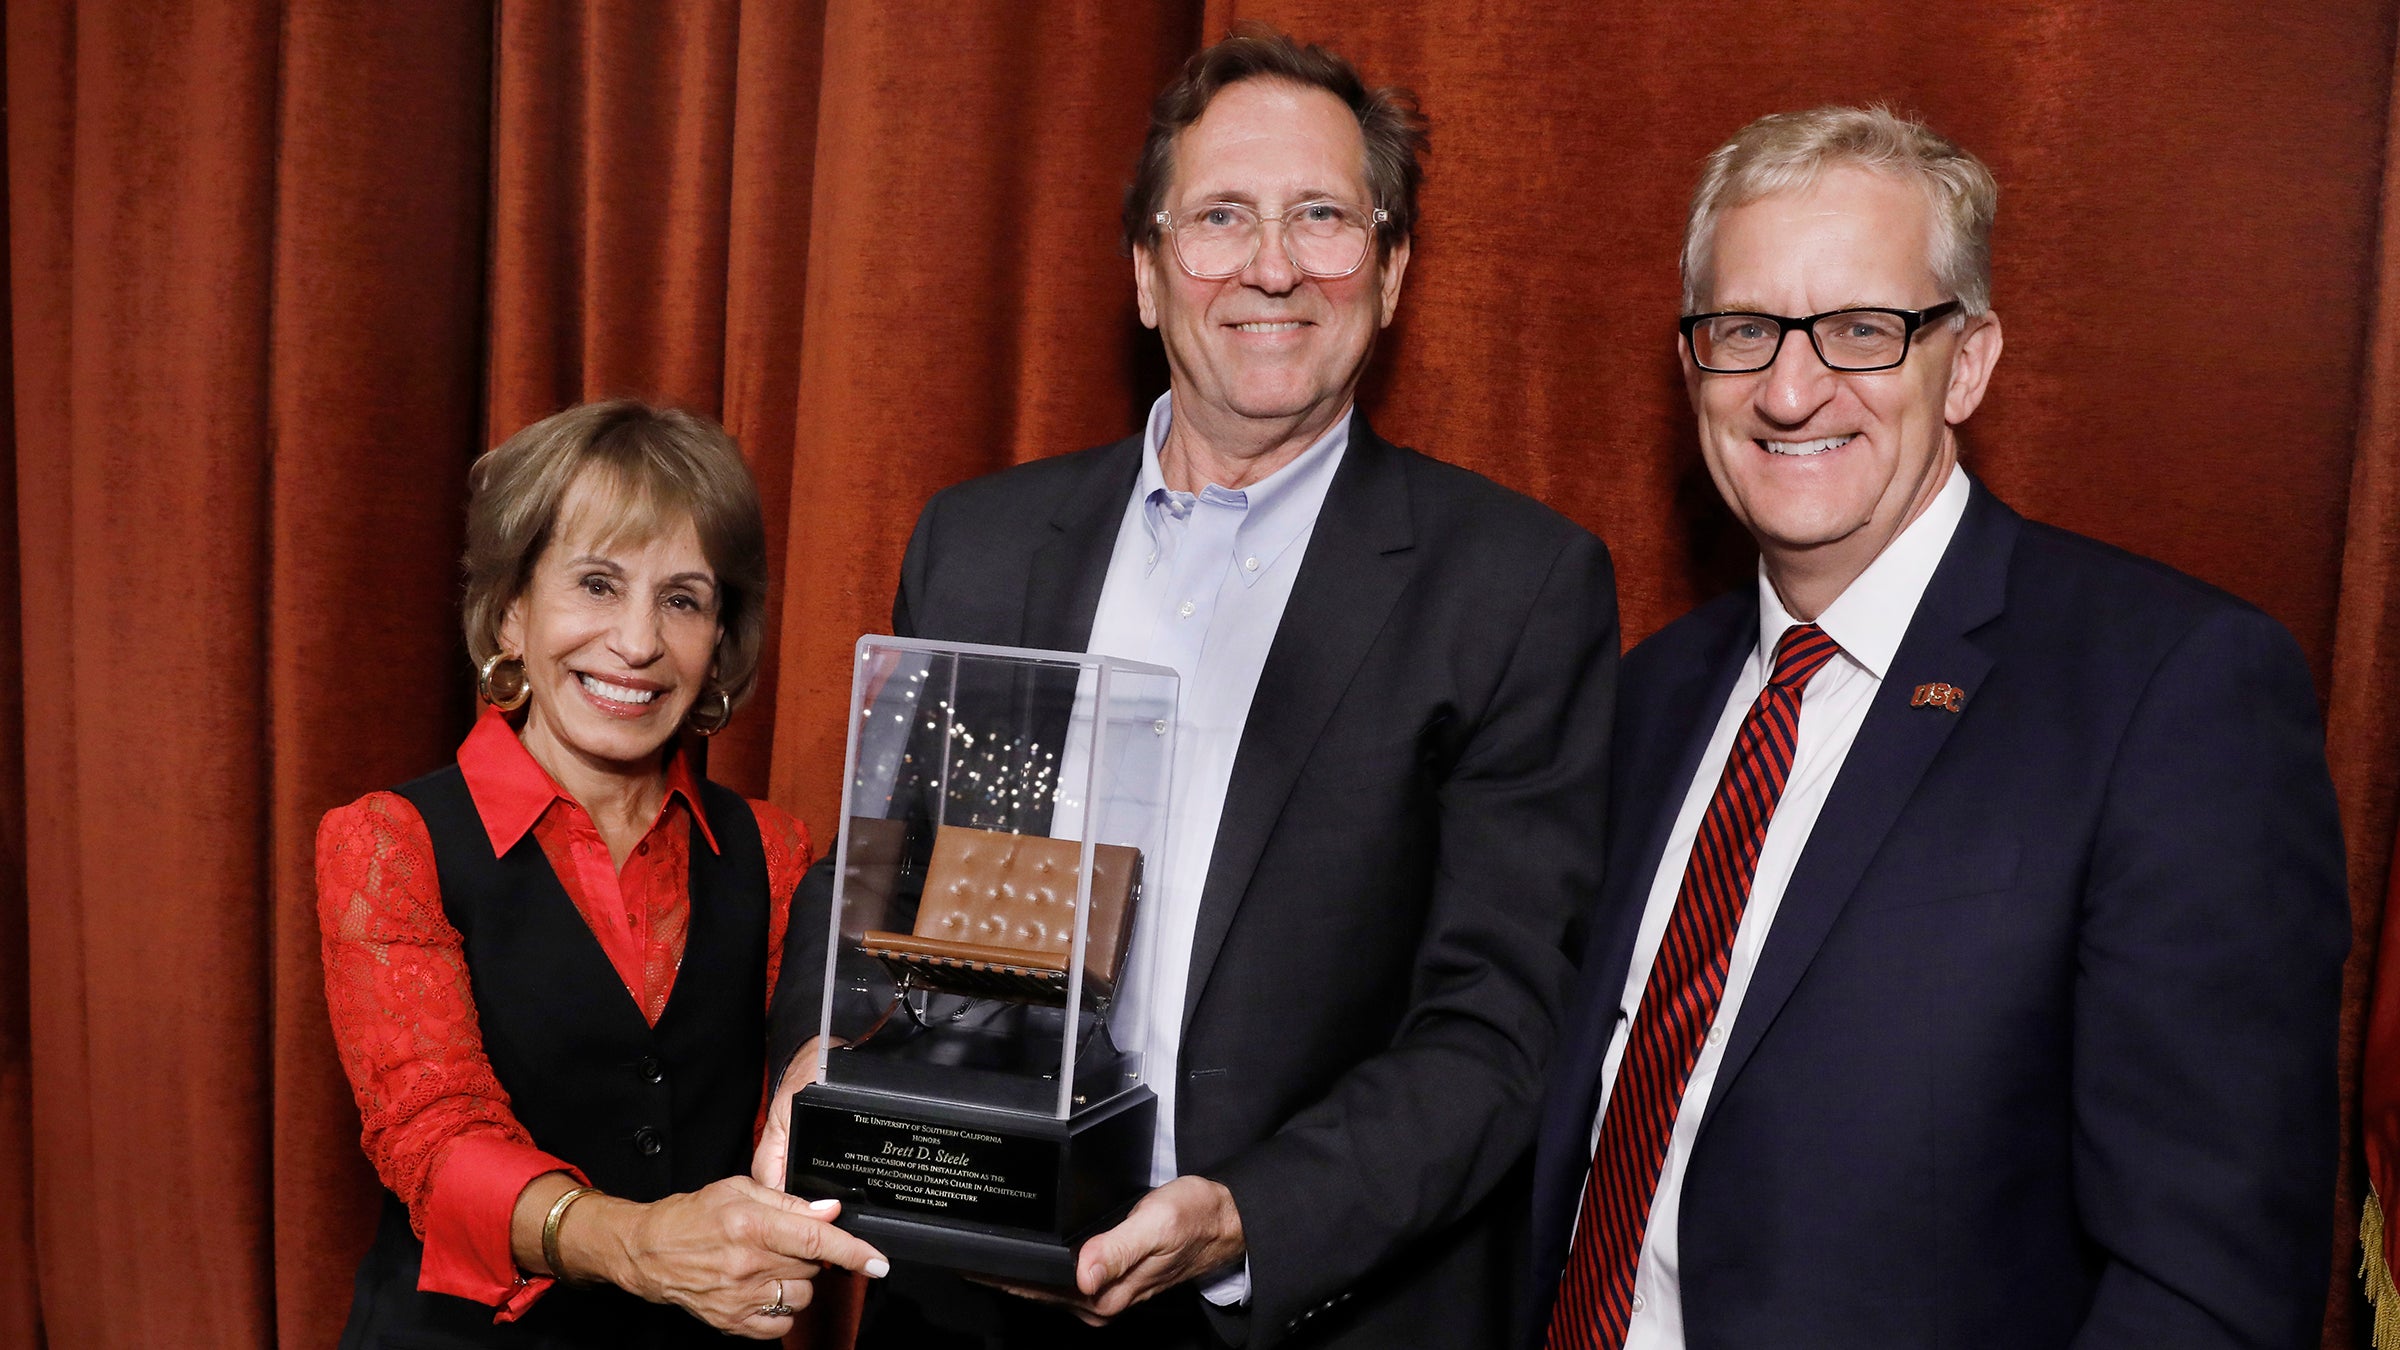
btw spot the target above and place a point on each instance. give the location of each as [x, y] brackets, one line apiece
[511, 789]
[1277, 510]
[1872, 614]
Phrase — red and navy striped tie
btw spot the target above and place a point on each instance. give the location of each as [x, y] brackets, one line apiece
[1679, 1001]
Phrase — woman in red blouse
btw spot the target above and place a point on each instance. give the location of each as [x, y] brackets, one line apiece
[548, 964]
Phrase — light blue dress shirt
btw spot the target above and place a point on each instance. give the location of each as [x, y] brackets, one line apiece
[1198, 582]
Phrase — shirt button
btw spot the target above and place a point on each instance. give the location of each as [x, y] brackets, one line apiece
[1716, 1034]
[1159, 727]
[1185, 609]
[1637, 1302]
[642, 849]
[649, 1142]
[1249, 564]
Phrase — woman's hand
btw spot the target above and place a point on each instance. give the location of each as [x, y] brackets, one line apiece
[716, 1252]
[773, 1154]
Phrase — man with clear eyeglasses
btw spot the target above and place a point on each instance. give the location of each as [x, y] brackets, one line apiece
[1388, 774]
[1968, 966]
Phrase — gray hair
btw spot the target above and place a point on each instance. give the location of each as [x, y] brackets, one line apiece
[1786, 152]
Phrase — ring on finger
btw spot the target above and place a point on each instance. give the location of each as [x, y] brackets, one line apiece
[778, 1308]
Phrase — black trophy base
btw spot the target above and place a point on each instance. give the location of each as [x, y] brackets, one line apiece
[1006, 1194]
[1002, 1256]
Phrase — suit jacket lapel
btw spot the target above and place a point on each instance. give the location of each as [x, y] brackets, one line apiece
[1062, 590]
[1357, 563]
[1689, 708]
[1894, 747]
[1693, 705]
[1661, 742]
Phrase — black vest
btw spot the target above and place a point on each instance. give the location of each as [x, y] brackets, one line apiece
[645, 1111]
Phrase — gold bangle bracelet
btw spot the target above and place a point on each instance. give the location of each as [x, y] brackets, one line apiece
[550, 1222]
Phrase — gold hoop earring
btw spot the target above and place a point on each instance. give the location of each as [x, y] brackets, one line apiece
[713, 720]
[503, 682]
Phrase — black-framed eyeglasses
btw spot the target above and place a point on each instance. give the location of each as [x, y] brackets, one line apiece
[1323, 239]
[1736, 342]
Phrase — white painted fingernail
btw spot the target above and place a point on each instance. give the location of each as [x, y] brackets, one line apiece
[878, 1268]
[821, 1205]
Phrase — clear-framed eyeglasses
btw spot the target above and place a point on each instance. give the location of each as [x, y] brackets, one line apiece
[1325, 240]
[1852, 340]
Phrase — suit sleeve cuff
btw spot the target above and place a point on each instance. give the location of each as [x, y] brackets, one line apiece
[1231, 1289]
[468, 1213]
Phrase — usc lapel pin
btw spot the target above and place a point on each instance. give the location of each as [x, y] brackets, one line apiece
[1947, 697]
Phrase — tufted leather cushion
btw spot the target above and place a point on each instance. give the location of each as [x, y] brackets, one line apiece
[1004, 905]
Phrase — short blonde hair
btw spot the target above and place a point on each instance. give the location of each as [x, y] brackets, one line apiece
[656, 465]
[1787, 151]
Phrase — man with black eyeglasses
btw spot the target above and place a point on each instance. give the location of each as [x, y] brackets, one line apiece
[1968, 966]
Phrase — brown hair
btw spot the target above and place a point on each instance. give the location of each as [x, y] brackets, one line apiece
[656, 465]
[1388, 118]
[1787, 151]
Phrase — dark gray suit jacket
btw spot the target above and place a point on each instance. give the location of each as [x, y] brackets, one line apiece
[1415, 812]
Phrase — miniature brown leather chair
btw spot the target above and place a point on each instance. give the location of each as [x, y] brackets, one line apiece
[875, 867]
[997, 919]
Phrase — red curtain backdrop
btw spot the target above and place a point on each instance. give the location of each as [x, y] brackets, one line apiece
[277, 272]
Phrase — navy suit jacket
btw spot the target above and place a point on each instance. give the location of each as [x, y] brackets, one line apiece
[2040, 1048]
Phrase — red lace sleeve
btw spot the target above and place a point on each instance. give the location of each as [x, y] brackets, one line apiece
[435, 1122]
[788, 856]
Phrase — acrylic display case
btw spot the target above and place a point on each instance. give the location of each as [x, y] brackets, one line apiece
[977, 1109]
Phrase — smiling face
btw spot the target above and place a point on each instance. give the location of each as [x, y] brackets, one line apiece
[1826, 468]
[1267, 353]
[618, 637]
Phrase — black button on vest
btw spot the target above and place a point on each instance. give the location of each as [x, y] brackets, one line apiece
[645, 1111]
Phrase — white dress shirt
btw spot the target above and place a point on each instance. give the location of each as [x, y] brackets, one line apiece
[1868, 620]
[1198, 583]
